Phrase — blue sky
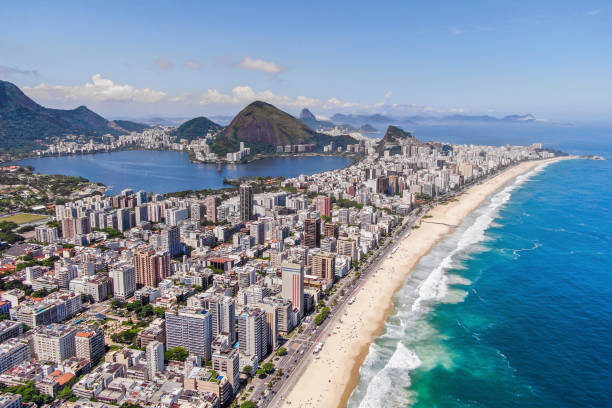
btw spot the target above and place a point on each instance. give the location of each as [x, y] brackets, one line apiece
[552, 58]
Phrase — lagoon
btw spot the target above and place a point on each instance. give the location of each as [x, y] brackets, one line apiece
[167, 171]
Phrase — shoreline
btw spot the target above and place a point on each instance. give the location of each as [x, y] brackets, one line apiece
[330, 380]
[355, 157]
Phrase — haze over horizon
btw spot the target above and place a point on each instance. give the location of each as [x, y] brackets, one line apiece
[142, 59]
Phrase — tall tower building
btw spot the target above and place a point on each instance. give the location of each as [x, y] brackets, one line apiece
[155, 358]
[257, 231]
[223, 315]
[331, 230]
[151, 267]
[253, 332]
[246, 202]
[68, 227]
[211, 208]
[324, 265]
[312, 232]
[190, 328]
[90, 344]
[171, 240]
[347, 247]
[124, 219]
[197, 211]
[323, 205]
[124, 281]
[293, 285]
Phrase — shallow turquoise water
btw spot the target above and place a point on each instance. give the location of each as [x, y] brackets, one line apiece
[513, 310]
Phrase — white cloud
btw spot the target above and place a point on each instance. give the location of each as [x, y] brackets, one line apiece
[321, 117]
[106, 90]
[163, 63]
[388, 94]
[456, 31]
[257, 64]
[591, 13]
[242, 95]
[99, 90]
[337, 103]
[193, 64]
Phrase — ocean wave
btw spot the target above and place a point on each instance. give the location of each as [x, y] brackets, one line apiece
[435, 286]
[382, 388]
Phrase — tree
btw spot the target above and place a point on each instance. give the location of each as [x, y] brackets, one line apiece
[66, 393]
[248, 404]
[159, 311]
[281, 351]
[129, 405]
[30, 393]
[268, 367]
[261, 372]
[176, 354]
[247, 369]
[322, 316]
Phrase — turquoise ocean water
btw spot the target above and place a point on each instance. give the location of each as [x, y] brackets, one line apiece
[514, 309]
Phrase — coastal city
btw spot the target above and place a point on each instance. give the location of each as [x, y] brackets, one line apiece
[216, 299]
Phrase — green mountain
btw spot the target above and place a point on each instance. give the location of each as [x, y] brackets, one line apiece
[196, 128]
[26, 125]
[262, 127]
[130, 126]
[396, 136]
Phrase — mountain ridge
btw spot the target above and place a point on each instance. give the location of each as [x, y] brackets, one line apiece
[25, 125]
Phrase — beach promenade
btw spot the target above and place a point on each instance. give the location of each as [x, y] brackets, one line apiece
[329, 380]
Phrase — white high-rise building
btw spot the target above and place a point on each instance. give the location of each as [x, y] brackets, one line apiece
[55, 342]
[174, 215]
[171, 240]
[190, 328]
[253, 332]
[155, 358]
[124, 281]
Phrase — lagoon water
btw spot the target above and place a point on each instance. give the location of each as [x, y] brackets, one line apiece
[166, 171]
[514, 309]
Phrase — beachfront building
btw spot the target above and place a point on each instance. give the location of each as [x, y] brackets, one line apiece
[253, 332]
[293, 286]
[190, 328]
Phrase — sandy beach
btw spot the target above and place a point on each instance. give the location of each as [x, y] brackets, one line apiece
[330, 380]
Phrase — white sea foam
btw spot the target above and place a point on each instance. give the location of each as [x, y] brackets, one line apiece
[383, 388]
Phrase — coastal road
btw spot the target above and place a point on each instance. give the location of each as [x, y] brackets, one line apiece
[296, 363]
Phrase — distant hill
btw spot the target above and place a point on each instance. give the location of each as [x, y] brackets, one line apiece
[196, 128]
[130, 126]
[367, 128]
[25, 125]
[396, 136]
[359, 120]
[263, 127]
[311, 120]
[462, 119]
[306, 115]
